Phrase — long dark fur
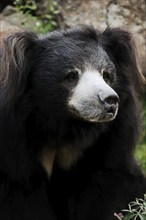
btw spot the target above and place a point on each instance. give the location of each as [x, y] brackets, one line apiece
[33, 115]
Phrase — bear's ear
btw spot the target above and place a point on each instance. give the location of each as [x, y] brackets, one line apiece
[16, 56]
[121, 45]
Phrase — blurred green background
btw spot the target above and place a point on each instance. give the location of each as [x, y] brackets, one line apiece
[141, 147]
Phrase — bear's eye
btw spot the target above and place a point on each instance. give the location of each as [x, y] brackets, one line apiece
[72, 75]
[107, 76]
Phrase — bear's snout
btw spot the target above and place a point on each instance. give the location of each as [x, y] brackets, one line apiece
[93, 99]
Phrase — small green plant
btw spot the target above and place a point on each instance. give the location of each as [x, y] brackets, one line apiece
[26, 7]
[136, 211]
[42, 23]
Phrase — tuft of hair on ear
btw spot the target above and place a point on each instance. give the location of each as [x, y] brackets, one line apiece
[121, 45]
[15, 61]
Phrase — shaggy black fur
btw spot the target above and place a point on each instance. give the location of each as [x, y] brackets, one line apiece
[33, 114]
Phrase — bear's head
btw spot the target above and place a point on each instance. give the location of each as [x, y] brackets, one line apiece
[71, 73]
[74, 76]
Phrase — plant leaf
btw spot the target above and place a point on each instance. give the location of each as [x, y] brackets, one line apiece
[142, 217]
[129, 216]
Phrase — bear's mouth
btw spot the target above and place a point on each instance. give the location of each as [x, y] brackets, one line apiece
[94, 116]
[104, 117]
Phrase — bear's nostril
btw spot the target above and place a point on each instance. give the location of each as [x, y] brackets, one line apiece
[111, 100]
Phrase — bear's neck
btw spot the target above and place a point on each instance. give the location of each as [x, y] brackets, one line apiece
[65, 157]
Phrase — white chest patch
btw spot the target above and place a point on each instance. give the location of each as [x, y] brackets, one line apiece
[65, 157]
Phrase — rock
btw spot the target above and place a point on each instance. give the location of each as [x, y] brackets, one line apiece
[21, 21]
[7, 29]
[8, 10]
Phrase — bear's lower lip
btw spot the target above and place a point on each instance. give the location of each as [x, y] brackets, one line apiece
[104, 117]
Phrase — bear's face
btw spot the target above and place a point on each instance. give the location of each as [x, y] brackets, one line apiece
[75, 77]
[92, 99]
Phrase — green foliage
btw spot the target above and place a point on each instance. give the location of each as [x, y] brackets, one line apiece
[136, 210]
[27, 6]
[141, 156]
[141, 148]
[41, 23]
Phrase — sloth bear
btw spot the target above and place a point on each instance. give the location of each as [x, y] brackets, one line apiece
[69, 123]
